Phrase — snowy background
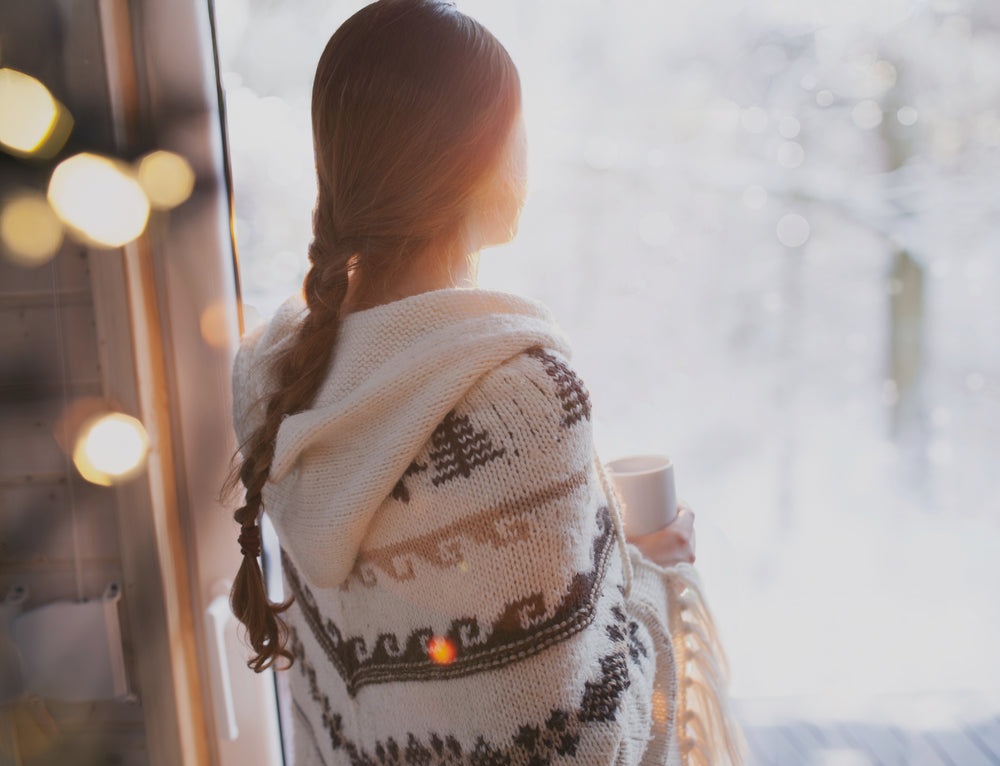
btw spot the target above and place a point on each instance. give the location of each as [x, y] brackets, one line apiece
[772, 231]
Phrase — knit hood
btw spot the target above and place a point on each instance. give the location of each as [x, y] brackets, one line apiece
[397, 371]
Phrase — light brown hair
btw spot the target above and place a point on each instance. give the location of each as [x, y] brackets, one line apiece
[412, 106]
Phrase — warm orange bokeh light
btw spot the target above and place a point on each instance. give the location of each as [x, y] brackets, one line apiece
[441, 650]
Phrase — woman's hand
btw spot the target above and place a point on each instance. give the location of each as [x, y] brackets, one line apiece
[671, 545]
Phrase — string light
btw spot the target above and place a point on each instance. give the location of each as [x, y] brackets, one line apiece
[30, 231]
[99, 199]
[32, 122]
[110, 448]
[166, 178]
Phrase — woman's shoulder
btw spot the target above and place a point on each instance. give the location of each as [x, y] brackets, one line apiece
[542, 382]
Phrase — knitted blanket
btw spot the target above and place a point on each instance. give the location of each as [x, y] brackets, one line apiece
[464, 591]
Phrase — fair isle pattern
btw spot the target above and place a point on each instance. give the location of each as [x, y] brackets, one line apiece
[518, 632]
[400, 491]
[452, 431]
[499, 526]
[533, 743]
[459, 448]
[572, 392]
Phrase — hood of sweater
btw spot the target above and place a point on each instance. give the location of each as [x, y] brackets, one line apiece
[398, 369]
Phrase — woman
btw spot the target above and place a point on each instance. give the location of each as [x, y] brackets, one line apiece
[462, 590]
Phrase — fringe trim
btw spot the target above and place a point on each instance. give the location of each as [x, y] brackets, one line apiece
[707, 732]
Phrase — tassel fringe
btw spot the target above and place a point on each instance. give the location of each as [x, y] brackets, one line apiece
[709, 736]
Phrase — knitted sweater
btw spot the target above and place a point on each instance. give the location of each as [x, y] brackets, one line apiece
[463, 590]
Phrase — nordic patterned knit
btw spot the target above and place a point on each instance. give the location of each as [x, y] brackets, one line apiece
[463, 590]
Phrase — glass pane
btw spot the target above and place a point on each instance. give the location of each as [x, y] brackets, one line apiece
[769, 229]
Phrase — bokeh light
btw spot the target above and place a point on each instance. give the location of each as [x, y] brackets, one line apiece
[215, 325]
[99, 200]
[791, 154]
[30, 231]
[252, 318]
[755, 197]
[867, 114]
[32, 122]
[793, 230]
[441, 650]
[907, 115]
[167, 179]
[110, 448]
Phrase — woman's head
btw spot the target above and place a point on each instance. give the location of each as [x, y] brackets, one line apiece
[413, 106]
[418, 144]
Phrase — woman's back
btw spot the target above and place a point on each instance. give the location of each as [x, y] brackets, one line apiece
[484, 615]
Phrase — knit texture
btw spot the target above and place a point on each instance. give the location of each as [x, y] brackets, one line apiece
[463, 590]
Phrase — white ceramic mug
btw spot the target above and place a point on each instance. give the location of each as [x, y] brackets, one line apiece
[645, 486]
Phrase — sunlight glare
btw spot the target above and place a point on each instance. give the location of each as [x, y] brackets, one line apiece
[99, 199]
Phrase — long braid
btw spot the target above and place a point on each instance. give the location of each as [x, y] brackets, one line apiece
[300, 374]
[401, 163]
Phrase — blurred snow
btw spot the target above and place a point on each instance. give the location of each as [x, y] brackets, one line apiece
[848, 523]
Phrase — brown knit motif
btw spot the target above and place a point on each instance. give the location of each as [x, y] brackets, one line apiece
[516, 634]
[501, 525]
[570, 389]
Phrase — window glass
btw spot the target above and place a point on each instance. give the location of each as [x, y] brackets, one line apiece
[770, 230]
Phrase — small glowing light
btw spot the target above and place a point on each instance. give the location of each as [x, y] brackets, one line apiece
[791, 154]
[441, 650]
[656, 158]
[907, 115]
[215, 326]
[789, 127]
[940, 452]
[867, 114]
[975, 381]
[940, 268]
[890, 392]
[110, 448]
[755, 197]
[884, 73]
[753, 119]
[99, 199]
[988, 129]
[824, 98]
[167, 179]
[793, 230]
[773, 303]
[957, 26]
[842, 757]
[31, 233]
[31, 120]
[941, 417]
[601, 153]
[251, 318]
[656, 229]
